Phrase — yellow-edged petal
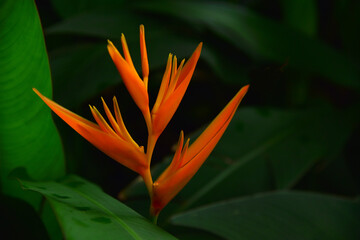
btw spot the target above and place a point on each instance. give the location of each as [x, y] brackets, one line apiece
[162, 115]
[113, 146]
[131, 79]
[164, 84]
[175, 161]
[120, 122]
[126, 51]
[167, 187]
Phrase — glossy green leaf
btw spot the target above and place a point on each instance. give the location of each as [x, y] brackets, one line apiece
[84, 211]
[279, 215]
[28, 137]
[263, 37]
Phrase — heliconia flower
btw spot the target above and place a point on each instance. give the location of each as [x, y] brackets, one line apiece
[136, 86]
[114, 141]
[172, 89]
[188, 159]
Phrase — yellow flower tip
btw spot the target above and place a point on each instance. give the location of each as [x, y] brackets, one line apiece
[39, 94]
[246, 88]
[111, 48]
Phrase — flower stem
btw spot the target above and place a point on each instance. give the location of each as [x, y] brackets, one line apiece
[155, 219]
[148, 181]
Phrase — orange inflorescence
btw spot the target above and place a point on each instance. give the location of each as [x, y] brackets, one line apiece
[115, 141]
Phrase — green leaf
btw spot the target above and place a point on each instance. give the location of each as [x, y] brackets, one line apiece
[263, 38]
[28, 137]
[66, 8]
[301, 15]
[81, 72]
[262, 149]
[161, 38]
[279, 215]
[347, 17]
[86, 212]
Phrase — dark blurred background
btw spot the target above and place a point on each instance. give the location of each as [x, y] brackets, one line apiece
[301, 58]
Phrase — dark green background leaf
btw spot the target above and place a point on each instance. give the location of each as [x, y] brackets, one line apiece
[264, 38]
[301, 15]
[279, 215]
[263, 149]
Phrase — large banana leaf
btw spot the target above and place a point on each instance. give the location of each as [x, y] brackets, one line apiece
[28, 137]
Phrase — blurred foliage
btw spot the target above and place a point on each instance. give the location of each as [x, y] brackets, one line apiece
[296, 131]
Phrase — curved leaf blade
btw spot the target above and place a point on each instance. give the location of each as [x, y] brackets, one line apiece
[279, 215]
[264, 38]
[28, 137]
[86, 212]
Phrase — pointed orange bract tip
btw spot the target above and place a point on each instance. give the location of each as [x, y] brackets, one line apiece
[171, 97]
[175, 178]
[115, 147]
[131, 79]
[144, 57]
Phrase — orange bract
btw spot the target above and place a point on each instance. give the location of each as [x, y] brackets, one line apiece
[115, 145]
[172, 90]
[115, 141]
[188, 160]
